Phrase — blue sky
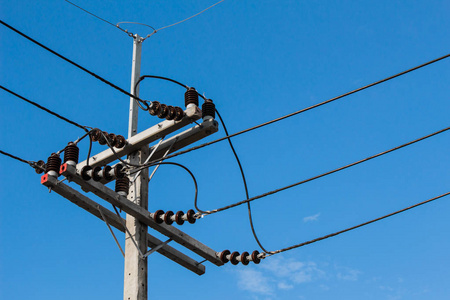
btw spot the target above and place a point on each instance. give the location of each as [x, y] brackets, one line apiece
[257, 60]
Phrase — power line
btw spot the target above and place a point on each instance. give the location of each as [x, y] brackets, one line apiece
[45, 109]
[308, 108]
[72, 62]
[355, 227]
[33, 164]
[327, 173]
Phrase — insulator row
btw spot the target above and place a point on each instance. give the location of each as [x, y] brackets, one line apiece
[53, 164]
[122, 186]
[169, 217]
[103, 138]
[226, 256]
[71, 153]
[191, 97]
[208, 110]
[167, 112]
[40, 167]
[108, 173]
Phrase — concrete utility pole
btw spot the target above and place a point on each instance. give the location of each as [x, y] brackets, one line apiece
[135, 277]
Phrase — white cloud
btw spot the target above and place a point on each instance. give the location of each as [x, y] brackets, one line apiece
[348, 274]
[311, 218]
[253, 281]
[285, 286]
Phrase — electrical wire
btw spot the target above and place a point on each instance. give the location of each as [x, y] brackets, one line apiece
[31, 163]
[354, 227]
[46, 109]
[250, 218]
[327, 173]
[308, 108]
[72, 62]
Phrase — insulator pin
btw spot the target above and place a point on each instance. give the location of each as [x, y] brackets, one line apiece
[158, 216]
[233, 258]
[245, 258]
[163, 112]
[191, 97]
[122, 186]
[155, 108]
[179, 113]
[88, 173]
[71, 153]
[121, 141]
[208, 110]
[53, 165]
[169, 217]
[171, 112]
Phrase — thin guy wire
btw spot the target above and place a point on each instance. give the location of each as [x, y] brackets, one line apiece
[179, 22]
[327, 173]
[45, 109]
[110, 230]
[72, 62]
[104, 20]
[307, 108]
[355, 227]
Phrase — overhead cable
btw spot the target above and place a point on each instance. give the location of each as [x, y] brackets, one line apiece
[45, 109]
[354, 227]
[327, 173]
[309, 108]
[31, 163]
[72, 62]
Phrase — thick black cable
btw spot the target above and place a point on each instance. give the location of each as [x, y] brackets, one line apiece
[45, 109]
[31, 163]
[308, 108]
[250, 218]
[327, 173]
[72, 62]
[355, 227]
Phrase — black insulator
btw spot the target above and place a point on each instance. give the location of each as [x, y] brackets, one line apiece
[119, 171]
[179, 113]
[121, 141]
[103, 136]
[95, 134]
[157, 216]
[233, 258]
[190, 216]
[223, 256]
[168, 217]
[96, 173]
[255, 257]
[244, 258]
[122, 185]
[171, 112]
[85, 172]
[179, 217]
[163, 112]
[71, 153]
[106, 173]
[208, 109]
[112, 139]
[39, 166]
[191, 97]
[53, 163]
[155, 108]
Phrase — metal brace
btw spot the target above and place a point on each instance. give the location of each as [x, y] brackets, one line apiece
[110, 229]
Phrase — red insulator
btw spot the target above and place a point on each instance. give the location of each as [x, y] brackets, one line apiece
[191, 97]
[179, 217]
[71, 153]
[39, 167]
[112, 139]
[233, 258]
[255, 257]
[208, 109]
[155, 108]
[168, 217]
[120, 142]
[122, 186]
[95, 134]
[53, 163]
[119, 171]
[244, 258]
[179, 113]
[163, 112]
[106, 173]
[103, 137]
[171, 112]
[157, 216]
[223, 256]
[86, 172]
[190, 216]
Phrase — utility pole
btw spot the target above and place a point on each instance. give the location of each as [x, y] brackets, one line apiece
[135, 276]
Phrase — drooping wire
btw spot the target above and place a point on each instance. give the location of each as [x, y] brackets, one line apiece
[73, 63]
[327, 173]
[46, 109]
[250, 218]
[307, 108]
[355, 227]
[31, 163]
